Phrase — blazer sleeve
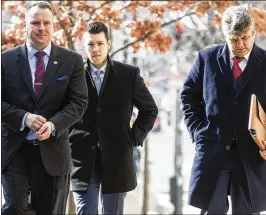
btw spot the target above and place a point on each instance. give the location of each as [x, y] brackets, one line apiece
[192, 99]
[77, 99]
[10, 114]
[148, 110]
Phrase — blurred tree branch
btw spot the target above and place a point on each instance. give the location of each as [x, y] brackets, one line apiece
[97, 8]
[145, 36]
[145, 22]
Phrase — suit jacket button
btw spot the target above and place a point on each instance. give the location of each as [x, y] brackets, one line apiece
[227, 148]
[93, 147]
[98, 110]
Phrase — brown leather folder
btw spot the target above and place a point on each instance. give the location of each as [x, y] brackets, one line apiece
[257, 122]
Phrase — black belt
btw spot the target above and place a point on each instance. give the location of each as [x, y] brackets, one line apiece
[31, 142]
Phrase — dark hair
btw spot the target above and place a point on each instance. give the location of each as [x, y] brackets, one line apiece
[98, 27]
[41, 5]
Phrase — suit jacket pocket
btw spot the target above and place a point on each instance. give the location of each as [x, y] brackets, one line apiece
[65, 135]
[75, 132]
[77, 136]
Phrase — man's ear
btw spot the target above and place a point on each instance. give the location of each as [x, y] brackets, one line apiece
[254, 31]
[25, 26]
[109, 44]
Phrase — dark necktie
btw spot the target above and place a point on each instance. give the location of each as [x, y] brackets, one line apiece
[39, 72]
[236, 69]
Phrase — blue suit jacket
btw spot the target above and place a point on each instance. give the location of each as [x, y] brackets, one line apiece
[215, 112]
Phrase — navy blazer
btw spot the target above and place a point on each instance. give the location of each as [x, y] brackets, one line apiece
[215, 113]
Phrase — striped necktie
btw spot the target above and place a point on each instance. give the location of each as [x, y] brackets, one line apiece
[39, 72]
[236, 68]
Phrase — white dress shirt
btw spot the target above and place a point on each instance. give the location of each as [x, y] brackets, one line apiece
[243, 63]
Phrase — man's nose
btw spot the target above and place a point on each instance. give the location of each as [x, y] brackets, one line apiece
[239, 43]
[41, 27]
[95, 48]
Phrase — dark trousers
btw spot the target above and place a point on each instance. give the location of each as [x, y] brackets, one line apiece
[26, 175]
[232, 181]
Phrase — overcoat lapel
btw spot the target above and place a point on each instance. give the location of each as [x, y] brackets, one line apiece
[110, 73]
[225, 69]
[250, 71]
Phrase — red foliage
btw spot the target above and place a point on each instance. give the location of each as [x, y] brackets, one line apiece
[72, 18]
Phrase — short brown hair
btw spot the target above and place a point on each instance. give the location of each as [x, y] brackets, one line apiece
[41, 5]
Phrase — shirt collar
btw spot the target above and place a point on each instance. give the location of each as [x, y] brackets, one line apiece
[103, 68]
[31, 50]
[246, 56]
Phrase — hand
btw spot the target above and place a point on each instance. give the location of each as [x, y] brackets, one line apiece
[34, 122]
[44, 132]
[263, 153]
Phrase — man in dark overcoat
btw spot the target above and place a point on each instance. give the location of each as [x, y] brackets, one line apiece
[216, 104]
[102, 142]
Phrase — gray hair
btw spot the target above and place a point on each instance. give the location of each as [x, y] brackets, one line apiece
[237, 19]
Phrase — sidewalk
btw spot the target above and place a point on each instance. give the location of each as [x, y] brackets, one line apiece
[158, 204]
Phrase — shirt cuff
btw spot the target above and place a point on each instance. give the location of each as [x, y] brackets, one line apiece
[54, 133]
[23, 124]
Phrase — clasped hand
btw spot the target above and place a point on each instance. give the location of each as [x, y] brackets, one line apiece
[39, 125]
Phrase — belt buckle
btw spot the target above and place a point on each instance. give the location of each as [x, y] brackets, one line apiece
[32, 142]
[35, 143]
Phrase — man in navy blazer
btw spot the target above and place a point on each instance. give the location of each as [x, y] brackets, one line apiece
[216, 103]
[36, 114]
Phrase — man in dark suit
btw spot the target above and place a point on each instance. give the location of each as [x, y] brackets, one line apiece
[216, 103]
[102, 142]
[44, 92]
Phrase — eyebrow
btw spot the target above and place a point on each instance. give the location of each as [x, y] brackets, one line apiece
[101, 41]
[36, 19]
[240, 36]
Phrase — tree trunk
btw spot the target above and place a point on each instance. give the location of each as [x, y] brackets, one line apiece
[145, 204]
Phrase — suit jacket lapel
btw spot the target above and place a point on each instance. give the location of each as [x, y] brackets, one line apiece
[224, 64]
[24, 66]
[250, 70]
[53, 63]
